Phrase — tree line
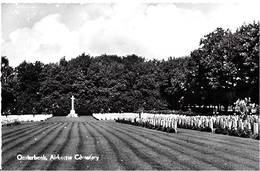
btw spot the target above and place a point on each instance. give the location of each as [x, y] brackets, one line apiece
[223, 69]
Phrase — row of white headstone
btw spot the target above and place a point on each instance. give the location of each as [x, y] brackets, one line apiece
[251, 123]
[114, 116]
[164, 122]
[24, 118]
[229, 122]
[195, 122]
[154, 121]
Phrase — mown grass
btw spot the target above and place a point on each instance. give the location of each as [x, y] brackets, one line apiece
[123, 147]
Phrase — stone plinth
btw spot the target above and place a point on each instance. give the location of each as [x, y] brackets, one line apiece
[72, 114]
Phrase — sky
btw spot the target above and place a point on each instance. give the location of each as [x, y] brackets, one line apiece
[47, 32]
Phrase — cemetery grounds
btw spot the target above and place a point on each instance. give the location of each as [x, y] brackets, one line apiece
[85, 143]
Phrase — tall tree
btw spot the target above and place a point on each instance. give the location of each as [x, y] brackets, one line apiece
[28, 86]
[8, 81]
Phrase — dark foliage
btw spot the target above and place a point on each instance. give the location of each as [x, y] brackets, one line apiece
[245, 133]
[13, 123]
[223, 69]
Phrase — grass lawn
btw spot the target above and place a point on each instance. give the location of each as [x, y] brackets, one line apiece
[107, 145]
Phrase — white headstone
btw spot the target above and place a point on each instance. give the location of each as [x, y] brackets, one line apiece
[229, 124]
[235, 124]
[255, 128]
[211, 124]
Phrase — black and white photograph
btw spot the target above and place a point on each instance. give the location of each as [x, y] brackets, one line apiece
[130, 85]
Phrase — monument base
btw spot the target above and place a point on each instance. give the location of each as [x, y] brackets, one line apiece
[72, 114]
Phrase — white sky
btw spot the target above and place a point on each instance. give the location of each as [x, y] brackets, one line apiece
[46, 32]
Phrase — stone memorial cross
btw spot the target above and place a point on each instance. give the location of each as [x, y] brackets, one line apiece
[72, 113]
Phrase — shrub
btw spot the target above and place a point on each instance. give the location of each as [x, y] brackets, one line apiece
[13, 123]
[245, 133]
[171, 130]
[256, 136]
[233, 132]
